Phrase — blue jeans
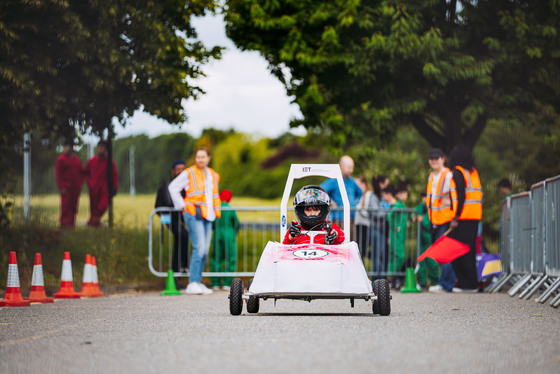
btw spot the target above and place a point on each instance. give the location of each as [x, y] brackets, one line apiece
[447, 275]
[200, 233]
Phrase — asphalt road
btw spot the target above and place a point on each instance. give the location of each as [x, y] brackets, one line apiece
[148, 333]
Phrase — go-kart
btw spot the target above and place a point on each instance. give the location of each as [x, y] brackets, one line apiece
[310, 271]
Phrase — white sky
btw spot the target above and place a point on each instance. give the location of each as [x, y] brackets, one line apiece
[240, 94]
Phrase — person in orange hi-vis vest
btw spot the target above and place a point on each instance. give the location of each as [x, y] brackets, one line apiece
[68, 172]
[96, 180]
[201, 206]
[466, 196]
[440, 212]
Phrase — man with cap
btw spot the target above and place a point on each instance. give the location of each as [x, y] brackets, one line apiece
[176, 225]
[440, 211]
[68, 174]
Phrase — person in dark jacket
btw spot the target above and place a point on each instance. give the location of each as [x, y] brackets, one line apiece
[466, 197]
[176, 225]
[68, 174]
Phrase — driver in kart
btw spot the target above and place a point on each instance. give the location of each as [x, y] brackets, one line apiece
[312, 207]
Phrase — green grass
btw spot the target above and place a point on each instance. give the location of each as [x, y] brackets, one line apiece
[128, 211]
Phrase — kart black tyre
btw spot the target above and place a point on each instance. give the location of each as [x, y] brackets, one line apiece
[252, 302]
[375, 303]
[235, 297]
[384, 298]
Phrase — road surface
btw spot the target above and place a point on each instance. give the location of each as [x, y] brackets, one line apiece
[148, 333]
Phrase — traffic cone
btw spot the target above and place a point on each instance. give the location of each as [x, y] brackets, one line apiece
[66, 282]
[87, 284]
[170, 288]
[98, 292]
[410, 282]
[37, 294]
[13, 293]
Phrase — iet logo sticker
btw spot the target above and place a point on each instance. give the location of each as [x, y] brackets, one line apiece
[309, 254]
[306, 169]
[283, 221]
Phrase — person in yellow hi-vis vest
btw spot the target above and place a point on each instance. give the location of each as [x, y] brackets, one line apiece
[440, 212]
[466, 196]
[201, 206]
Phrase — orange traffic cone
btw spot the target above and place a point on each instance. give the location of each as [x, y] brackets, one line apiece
[87, 284]
[66, 284]
[98, 292]
[13, 293]
[37, 294]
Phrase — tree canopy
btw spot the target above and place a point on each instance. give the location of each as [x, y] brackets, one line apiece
[70, 65]
[359, 69]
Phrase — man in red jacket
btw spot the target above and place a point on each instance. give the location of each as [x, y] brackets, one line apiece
[68, 174]
[96, 179]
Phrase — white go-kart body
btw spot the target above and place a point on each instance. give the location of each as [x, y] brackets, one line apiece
[308, 271]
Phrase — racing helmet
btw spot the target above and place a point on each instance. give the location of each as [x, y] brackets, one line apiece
[311, 196]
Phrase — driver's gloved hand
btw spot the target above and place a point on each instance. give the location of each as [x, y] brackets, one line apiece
[295, 229]
[330, 235]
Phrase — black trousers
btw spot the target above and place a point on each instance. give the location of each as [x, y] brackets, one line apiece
[181, 242]
[465, 266]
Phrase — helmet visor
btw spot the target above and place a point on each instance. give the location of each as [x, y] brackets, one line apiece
[311, 195]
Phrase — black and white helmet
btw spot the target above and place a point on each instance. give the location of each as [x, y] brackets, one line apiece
[312, 196]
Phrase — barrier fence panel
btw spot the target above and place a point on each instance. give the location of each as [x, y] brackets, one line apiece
[238, 243]
[552, 244]
[388, 242]
[530, 242]
[552, 248]
[538, 215]
[505, 248]
[521, 230]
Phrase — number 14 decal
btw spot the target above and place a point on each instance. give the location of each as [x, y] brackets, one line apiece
[310, 253]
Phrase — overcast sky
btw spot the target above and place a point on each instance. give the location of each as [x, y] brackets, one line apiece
[240, 94]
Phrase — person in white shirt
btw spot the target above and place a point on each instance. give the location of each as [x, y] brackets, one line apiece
[201, 206]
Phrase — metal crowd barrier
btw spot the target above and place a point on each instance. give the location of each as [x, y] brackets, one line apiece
[530, 243]
[259, 225]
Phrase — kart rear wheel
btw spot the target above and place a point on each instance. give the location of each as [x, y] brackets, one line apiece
[375, 303]
[253, 301]
[384, 298]
[235, 297]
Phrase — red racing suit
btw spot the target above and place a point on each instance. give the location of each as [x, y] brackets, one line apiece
[319, 239]
[68, 174]
[96, 180]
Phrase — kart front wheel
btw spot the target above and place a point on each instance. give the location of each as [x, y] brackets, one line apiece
[235, 297]
[375, 303]
[253, 301]
[383, 297]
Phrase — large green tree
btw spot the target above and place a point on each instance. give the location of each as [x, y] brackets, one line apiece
[358, 69]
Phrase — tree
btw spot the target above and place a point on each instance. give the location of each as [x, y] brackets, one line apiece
[360, 69]
[78, 66]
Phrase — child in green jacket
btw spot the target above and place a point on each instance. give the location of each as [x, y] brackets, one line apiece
[224, 243]
[397, 230]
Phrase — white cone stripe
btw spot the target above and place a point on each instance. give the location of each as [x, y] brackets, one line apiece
[88, 274]
[95, 280]
[66, 271]
[13, 276]
[37, 279]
